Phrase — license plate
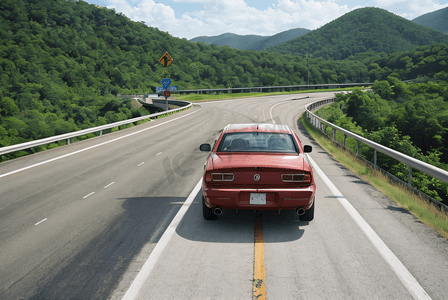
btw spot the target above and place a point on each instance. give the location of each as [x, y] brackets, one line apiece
[258, 198]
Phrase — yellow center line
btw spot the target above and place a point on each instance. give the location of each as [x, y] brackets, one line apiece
[259, 271]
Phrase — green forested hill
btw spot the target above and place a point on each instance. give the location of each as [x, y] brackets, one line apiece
[63, 63]
[251, 42]
[360, 31]
[437, 19]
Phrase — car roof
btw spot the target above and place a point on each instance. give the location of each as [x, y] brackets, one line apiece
[256, 127]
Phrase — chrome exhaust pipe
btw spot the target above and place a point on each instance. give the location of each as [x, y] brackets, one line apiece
[300, 211]
[217, 211]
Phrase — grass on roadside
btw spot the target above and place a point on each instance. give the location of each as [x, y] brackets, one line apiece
[419, 207]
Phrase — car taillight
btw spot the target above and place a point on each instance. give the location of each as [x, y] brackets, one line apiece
[222, 176]
[208, 177]
[296, 177]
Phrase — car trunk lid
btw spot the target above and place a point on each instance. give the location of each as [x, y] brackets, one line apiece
[253, 170]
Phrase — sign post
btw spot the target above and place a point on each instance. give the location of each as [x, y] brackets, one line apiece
[166, 86]
[167, 94]
[165, 60]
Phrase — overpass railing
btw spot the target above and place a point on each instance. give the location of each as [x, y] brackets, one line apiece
[265, 89]
[68, 136]
[410, 162]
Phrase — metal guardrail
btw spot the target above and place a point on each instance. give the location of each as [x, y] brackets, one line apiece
[411, 162]
[67, 136]
[272, 88]
[407, 160]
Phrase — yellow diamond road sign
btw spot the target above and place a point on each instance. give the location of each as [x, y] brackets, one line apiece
[166, 59]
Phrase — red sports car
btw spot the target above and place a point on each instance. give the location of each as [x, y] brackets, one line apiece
[257, 167]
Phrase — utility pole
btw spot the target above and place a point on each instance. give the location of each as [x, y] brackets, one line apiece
[308, 66]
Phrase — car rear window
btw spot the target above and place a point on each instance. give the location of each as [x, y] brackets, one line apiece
[258, 142]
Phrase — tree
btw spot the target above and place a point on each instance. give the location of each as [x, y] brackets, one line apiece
[8, 107]
[383, 89]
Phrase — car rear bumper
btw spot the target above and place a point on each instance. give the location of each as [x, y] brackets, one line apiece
[276, 199]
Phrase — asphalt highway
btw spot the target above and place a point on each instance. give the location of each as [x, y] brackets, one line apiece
[82, 222]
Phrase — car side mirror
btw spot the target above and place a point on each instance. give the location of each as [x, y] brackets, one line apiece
[205, 147]
[307, 148]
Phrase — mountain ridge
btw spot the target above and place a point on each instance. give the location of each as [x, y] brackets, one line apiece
[359, 31]
[251, 41]
[437, 20]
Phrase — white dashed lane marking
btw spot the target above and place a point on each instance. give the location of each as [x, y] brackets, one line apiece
[89, 195]
[40, 222]
[109, 184]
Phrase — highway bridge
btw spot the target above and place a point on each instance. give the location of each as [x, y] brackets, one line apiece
[119, 217]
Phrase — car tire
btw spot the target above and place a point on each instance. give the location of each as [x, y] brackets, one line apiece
[308, 215]
[207, 212]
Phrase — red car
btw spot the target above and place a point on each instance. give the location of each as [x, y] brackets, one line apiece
[257, 167]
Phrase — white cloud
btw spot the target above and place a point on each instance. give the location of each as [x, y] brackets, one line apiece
[154, 14]
[310, 14]
[386, 3]
[235, 16]
[410, 9]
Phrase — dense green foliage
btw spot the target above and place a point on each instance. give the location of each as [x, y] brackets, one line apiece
[409, 118]
[437, 19]
[359, 31]
[422, 61]
[49, 85]
[251, 42]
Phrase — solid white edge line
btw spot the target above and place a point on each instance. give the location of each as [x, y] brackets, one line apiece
[40, 222]
[144, 273]
[88, 148]
[270, 112]
[264, 117]
[396, 265]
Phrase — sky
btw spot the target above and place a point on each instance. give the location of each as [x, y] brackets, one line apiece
[193, 18]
